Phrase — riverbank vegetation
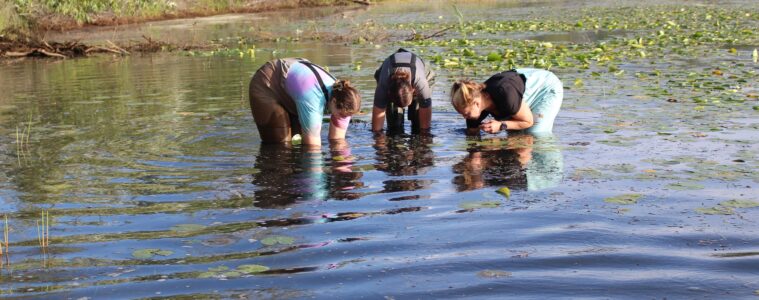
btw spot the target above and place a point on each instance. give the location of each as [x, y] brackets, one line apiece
[28, 18]
[23, 23]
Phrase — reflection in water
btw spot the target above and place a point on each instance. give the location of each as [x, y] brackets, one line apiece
[288, 174]
[343, 181]
[521, 162]
[403, 155]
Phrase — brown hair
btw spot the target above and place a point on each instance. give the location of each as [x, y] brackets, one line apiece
[400, 90]
[346, 97]
[464, 92]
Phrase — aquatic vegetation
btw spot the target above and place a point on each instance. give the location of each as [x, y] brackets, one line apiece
[625, 199]
[636, 36]
[493, 274]
[717, 210]
[187, 227]
[684, 186]
[150, 252]
[277, 239]
[735, 203]
[479, 205]
[225, 272]
[727, 207]
[505, 191]
[4, 249]
[43, 230]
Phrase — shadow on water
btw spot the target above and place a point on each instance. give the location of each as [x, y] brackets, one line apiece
[520, 162]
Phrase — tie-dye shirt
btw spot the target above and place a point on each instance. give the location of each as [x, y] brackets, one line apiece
[303, 87]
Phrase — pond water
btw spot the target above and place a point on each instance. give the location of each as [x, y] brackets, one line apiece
[156, 184]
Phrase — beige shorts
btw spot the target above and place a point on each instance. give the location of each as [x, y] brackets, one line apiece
[274, 123]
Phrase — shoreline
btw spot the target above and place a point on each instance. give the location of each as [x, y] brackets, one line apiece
[35, 45]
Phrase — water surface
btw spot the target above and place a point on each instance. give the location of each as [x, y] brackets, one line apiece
[157, 185]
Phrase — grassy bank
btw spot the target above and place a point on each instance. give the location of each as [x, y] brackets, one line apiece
[29, 18]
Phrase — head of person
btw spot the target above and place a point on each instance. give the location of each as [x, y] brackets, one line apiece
[345, 100]
[400, 89]
[466, 98]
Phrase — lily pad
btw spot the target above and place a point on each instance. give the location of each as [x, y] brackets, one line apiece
[494, 56]
[493, 274]
[249, 269]
[735, 203]
[231, 274]
[277, 239]
[717, 210]
[684, 186]
[218, 269]
[504, 191]
[478, 205]
[150, 252]
[187, 227]
[625, 199]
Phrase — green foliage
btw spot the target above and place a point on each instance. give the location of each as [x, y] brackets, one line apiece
[9, 18]
[83, 10]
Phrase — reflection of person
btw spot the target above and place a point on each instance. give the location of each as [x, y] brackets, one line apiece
[343, 180]
[517, 99]
[518, 162]
[400, 156]
[403, 81]
[288, 96]
[404, 156]
[288, 174]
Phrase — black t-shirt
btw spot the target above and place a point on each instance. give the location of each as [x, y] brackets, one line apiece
[506, 89]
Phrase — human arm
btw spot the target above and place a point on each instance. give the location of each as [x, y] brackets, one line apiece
[521, 120]
[378, 118]
[422, 87]
[338, 126]
[425, 118]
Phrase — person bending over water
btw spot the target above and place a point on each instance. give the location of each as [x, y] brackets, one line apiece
[517, 99]
[288, 96]
[403, 81]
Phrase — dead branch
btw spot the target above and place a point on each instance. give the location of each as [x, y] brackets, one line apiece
[415, 37]
[51, 54]
[17, 54]
[121, 50]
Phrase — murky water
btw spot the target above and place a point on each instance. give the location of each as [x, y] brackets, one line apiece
[156, 185]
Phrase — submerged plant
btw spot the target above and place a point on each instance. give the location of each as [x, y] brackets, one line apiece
[43, 230]
[4, 241]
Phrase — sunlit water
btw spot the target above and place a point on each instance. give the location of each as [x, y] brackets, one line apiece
[157, 185]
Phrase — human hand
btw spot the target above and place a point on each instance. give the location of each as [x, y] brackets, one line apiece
[492, 126]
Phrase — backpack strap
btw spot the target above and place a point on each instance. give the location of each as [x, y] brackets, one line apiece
[313, 67]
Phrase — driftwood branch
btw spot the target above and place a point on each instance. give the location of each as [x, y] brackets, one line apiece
[51, 54]
[120, 50]
[17, 54]
[363, 2]
[415, 37]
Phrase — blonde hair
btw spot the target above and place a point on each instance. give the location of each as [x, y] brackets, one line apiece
[464, 92]
[347, 98]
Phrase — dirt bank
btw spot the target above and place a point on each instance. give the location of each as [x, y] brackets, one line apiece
[32, 45]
